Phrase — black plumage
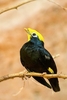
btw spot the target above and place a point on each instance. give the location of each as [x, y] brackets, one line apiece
[35, 58]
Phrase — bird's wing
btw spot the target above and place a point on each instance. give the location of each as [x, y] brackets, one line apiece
[47, 61]
[50, 66]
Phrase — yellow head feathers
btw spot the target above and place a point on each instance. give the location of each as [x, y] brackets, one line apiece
[30, 33]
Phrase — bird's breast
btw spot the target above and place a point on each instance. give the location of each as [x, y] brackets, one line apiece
[30, 58]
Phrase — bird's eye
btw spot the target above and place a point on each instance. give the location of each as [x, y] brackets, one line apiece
[34, 35]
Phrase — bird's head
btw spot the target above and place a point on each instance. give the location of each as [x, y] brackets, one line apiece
[33, 34]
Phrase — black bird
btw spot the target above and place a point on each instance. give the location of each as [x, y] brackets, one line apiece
[35, 58]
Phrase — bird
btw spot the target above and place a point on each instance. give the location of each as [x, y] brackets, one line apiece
[36, 58]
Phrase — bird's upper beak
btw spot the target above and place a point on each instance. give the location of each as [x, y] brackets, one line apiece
[29, 33]
[27, 30]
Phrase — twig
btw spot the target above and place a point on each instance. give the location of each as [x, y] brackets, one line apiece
[16, 6]
[22, 3]
[57, 4]
[11, 76]
[56, 56]
[29, 74]
[44, 75]
[18, 92]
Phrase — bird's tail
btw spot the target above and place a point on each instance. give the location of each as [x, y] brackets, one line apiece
[42, 81]
[55, 84]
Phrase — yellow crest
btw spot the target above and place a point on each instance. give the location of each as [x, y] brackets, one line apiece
[31, 31]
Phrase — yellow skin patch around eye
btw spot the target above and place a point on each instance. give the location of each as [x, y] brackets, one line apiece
[50, 70]
[31, 31]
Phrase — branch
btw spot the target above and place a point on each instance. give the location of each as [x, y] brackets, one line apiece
[57, 4]
[27, 1]
[29, 74]
[15, 6]
[11, 76]
[56, 56]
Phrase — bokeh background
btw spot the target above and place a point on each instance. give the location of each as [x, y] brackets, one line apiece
[50, 20]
